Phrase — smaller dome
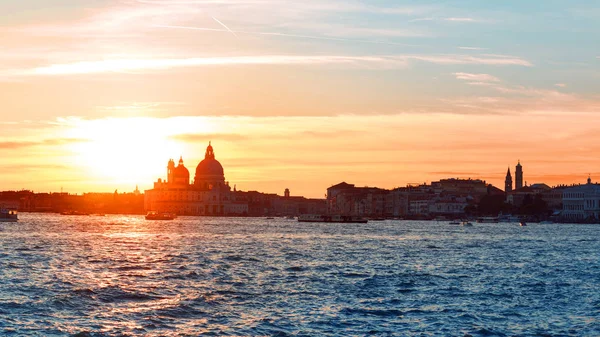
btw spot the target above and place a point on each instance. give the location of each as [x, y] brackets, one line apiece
[181, 171]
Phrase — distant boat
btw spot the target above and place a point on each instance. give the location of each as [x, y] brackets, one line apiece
[455, 222]
[466, 224]
[270, 218]
[522, 224]
[8, 215]
[73, 213]
[160, 216]
[331, 218]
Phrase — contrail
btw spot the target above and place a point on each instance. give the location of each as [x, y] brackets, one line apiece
[312, 37]
[222, 24]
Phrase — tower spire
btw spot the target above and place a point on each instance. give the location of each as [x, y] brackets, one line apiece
[508, 181]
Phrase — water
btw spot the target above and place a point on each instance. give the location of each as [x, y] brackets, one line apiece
[124, 276]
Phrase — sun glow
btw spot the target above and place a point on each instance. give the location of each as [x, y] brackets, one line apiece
[128, 151]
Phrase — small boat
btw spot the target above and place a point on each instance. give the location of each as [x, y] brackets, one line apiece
[160, 216]
[331, 218]
[455, 222]
[269, 218]
[8, 215]
[522, 224]
[466, 224]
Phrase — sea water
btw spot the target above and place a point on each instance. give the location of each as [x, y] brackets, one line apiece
[125, 276]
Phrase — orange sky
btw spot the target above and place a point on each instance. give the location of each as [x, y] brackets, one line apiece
[97, 95]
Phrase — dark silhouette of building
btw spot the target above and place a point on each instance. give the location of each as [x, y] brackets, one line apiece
[508, 182]
[518, 176]
[209, 194]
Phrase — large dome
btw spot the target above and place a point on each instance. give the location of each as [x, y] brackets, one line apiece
[209, 172]
[209, 167]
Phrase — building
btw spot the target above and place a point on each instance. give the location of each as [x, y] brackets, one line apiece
[581, 203]
[518, 176]
[209, 194]
[508, 182]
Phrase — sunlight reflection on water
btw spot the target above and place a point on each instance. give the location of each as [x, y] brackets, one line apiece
[119, 275]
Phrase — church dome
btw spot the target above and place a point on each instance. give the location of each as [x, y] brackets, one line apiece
[209, 170]
[209, 167]
[181, 170]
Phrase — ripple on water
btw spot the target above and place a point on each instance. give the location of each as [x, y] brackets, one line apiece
[122, 276]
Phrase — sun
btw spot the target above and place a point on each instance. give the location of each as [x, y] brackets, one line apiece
[125, 151]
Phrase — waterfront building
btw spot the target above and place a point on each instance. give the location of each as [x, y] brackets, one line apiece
[508, 182]
[447, 197]
[209, 194]
[582, 202]
[518, 176]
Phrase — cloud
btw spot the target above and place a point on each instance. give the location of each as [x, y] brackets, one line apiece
[471, 48]
[460, 19]
[195, 138]
[15, 145]
[499, 60]
[125, 65]
[335, 33]
[561, 85]
[476, 77]
[447, 19]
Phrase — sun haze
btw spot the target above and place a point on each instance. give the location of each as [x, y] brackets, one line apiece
[98, 95]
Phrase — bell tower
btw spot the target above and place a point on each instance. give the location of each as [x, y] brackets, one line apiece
[508, 182]
[518, 176]
[171, 171]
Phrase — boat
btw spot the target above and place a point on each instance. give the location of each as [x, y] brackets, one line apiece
[455, 222]
[269, 218]
[331, 218]
[466, 224]
[152, 215]
[522, 224]
[73, 213]
[8, 215]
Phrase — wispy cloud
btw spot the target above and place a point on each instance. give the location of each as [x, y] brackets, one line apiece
[94, 67]
[347, 31]
[447, 19]
[125, 65]
[561, 85]
[476, 77]
[15, 145]
[471, 48]
[470, 59]
[460, 19]
[197, 138]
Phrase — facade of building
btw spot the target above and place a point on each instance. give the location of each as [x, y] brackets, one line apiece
[447, 197]
[209, 194]
[582, 202]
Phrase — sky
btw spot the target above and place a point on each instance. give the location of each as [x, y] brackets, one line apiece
[98, 95]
